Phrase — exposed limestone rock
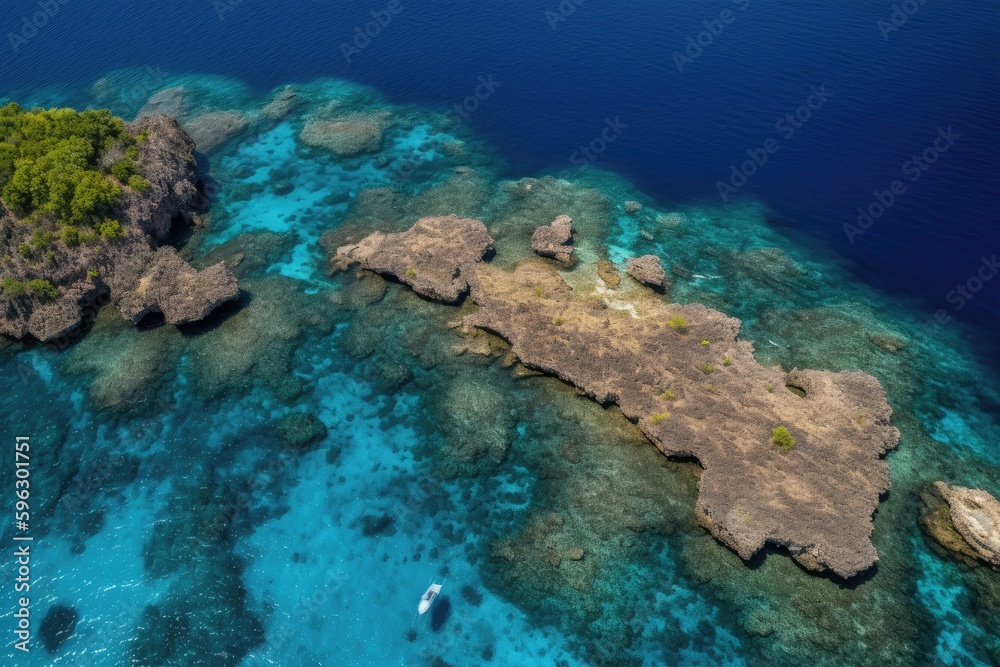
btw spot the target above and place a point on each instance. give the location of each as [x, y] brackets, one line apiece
[975, 515]
[165, 161]
[164, 283]
[609, 274]
[212, 129]
[555, 240]
[347, 136]
[431, 257]
[127, 271]
[816, 498]
[647, 270]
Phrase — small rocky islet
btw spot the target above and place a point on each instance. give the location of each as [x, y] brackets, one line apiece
[88, 205]
[683, 376]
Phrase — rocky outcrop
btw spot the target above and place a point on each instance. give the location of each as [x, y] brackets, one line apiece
[647, 270]
[129, 271]
[712, 402]
[162, 282]
[974, 517]
[433, 257]
[555, 240]
[165, 161]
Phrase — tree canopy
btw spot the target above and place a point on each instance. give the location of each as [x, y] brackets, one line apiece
[50, 164]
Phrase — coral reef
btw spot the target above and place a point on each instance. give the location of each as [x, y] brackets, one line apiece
[973, 517]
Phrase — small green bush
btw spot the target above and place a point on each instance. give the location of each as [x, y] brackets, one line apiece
[707, 369]
[770, 388]
[727, 362]
[410, 273]
[712, 388]
[111, 229]
[70, 236]
[558, 321]
[782, 438]
[677, 323]
[659, 417]
[124, 170]
[668, 395]
[13, 287]
[93, 273]
[538, 291]
[138, 183]
[43, 289]
[705, 343]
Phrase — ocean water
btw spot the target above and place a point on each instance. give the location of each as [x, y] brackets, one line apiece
[183, 525]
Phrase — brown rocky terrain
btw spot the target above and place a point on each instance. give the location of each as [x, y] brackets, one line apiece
[647, 270]
[694, 389]
[555, 240]
[133, 272]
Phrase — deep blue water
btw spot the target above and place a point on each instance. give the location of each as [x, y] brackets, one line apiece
[615, 59]
[175, 517]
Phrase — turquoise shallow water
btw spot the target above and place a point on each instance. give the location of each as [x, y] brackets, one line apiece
[177, 521]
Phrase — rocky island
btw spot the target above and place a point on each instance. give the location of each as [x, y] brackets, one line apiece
[792, 459]
[87, 205]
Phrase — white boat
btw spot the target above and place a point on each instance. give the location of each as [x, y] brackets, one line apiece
[427, 599]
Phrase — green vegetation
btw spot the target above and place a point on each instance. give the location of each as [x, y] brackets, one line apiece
[13, 287]
[668, 395]
[659, 416]
[93, 273]
[677, 323]
[410, 273]
[770, 388]
[50, 170]
[41, 288]
[705, 343]
[712, 388]
[782, 438]
[727, 362]
[538, 291]
[707, 369]
[558, 321]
